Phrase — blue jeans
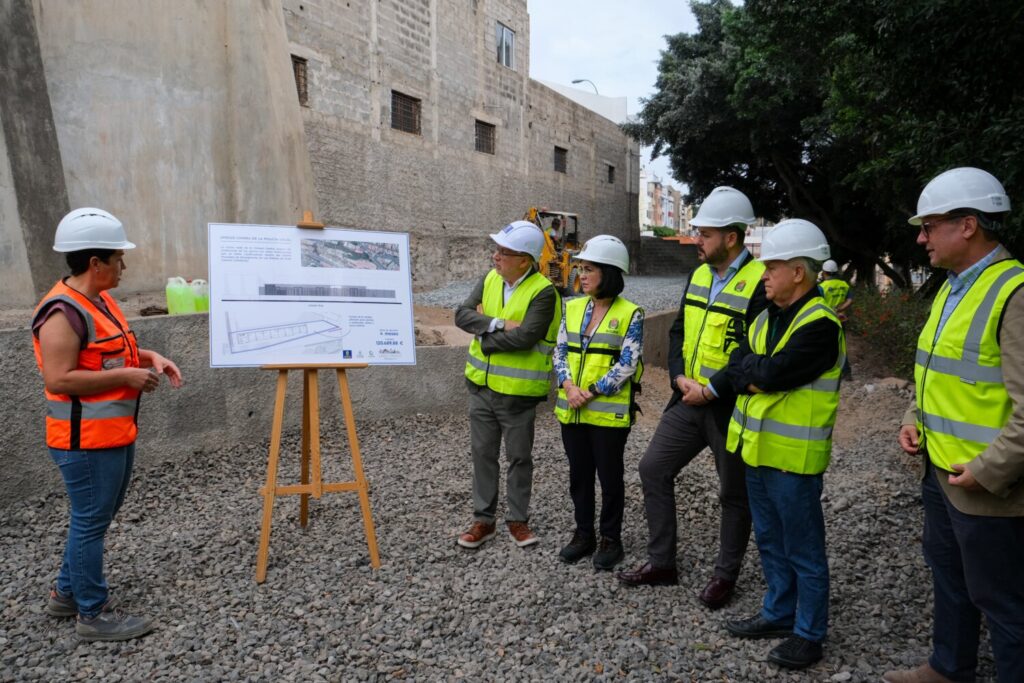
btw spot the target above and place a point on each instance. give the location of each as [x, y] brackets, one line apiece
[790, 530]
[977, 568]
[96, 482]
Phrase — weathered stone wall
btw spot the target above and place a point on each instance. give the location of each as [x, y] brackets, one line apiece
[435, 184]
[169, 115]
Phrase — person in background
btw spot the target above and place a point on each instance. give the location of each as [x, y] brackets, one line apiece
[94, 374]
[786, 372]
[720, 300]
[967, 425]
[513, 313]
[598, 367]
[836, 292]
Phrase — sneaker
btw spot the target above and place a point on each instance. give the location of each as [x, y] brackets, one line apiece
[795, 653]
[478, 534]
[609, 554]
[521, 534]
[65, 606]
[114, 625]
[579, 547]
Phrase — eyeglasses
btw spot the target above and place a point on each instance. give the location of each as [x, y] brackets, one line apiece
[928, 226]
[508, 254]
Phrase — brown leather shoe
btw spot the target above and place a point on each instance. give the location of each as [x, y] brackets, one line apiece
[717, 593]
[922, 674]
[477, 534]
[521, 534]
[648, 575]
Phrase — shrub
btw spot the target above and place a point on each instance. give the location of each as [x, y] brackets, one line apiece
[662, 231]
[889, 323]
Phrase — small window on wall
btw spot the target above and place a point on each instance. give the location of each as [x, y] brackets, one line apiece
[506, 45]
[561, 160]
[405, 113]
[485, 135]
[300, 69]
[611, 174]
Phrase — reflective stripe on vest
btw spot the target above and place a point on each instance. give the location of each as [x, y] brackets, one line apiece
[587, 367]
[789, 430]
[105, 419]
[712, 329]
[962, 403]
[518, 373]
[835, 291]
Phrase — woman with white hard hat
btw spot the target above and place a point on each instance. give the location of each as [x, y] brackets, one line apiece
[598, 365]
[94, 374]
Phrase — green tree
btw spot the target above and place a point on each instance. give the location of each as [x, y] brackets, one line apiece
[839, 111]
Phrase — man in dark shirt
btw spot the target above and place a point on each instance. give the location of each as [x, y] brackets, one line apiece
[786, 373]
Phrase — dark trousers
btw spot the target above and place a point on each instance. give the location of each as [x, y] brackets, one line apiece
[683, 432]
[593, 449]
[977, 568]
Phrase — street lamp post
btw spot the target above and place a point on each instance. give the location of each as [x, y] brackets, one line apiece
[587, 80]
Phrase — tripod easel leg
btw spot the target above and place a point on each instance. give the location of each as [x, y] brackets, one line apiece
[304, 463]
[357, 467]
[270, 489]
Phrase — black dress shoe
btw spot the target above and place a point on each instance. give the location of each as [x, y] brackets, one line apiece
[757, 627]
[609, 553]
[648, 575]
[795, 653]
[717, 593]
[579, 547]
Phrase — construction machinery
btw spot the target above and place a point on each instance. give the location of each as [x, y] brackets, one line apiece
[561, 244]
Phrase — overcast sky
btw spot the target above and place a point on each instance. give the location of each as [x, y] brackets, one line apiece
[614, 43]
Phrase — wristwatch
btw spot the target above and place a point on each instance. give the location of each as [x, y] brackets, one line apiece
[592, 388]
[499, 324]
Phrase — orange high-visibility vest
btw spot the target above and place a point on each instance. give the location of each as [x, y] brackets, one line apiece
[106, 419]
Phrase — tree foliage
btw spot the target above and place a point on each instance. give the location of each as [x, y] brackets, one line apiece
[839, 111]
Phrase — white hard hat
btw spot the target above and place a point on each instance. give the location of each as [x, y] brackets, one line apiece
[725, 206]
[830, 266]
[521, 236]
[89, 228]
[606, 249]
[961, 188]
[793, 238]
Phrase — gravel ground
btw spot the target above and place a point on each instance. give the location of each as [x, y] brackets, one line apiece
[184, 545]
[652, 292]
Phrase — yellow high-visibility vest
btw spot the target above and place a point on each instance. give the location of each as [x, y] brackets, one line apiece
[789, 430]
[962, 403]
[835, 291]
[712, 329]
[518, 373]
[587, 367]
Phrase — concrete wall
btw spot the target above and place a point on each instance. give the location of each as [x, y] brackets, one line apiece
[219, 407]
[435, 185]
[171, 115]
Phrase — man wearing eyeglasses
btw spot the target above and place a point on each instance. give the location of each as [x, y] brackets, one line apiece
[968, 424]
[514, 314]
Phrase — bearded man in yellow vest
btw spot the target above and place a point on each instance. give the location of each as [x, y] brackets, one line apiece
[787, 374]
[513, 313]
[967, 424]
[721, 298]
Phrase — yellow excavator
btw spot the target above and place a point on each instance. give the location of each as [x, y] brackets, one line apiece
[561, 243]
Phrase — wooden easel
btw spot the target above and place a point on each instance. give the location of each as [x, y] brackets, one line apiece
[311, 475]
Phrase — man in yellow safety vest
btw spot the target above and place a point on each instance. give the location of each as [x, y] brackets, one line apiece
[967, 423]
[514, 314]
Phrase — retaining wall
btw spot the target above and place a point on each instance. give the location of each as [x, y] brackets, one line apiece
[217, 407]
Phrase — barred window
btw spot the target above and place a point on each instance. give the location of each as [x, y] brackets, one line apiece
[300, 70]
[405, 113]
[485, 134]
[506, 45]
[561, 160]
[611, 174]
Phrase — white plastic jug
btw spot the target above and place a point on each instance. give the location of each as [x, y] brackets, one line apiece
[179, 296]
[200, 295]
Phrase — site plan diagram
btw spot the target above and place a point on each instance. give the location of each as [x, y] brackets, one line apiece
[283, 294]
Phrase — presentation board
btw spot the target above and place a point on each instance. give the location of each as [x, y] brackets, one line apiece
[283, 294]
